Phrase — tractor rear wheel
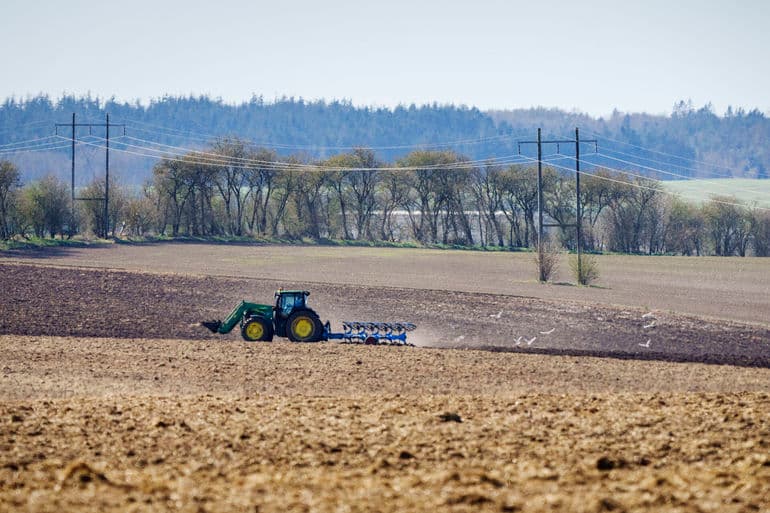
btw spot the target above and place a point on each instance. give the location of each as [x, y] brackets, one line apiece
[257, 329]
[304, 326]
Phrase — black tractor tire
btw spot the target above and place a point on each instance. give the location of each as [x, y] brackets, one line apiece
[257, 329]
[304, 326]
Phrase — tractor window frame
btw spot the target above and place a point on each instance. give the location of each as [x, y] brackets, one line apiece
[288, 302]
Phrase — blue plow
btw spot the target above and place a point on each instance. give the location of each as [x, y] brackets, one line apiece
[372, 333]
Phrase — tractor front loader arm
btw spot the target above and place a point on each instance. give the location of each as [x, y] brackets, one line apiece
[234, 318]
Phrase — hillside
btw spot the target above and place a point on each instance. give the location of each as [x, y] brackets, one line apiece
[751, 192]
[689, 143]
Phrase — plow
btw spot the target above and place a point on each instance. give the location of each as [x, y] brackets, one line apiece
[292, 317]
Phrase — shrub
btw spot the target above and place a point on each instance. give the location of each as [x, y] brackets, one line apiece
[587, 272]
[547, 259]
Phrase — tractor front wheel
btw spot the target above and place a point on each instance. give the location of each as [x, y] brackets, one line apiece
[304, 326]
[256, 329]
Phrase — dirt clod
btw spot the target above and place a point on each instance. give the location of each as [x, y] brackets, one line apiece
[450, 417]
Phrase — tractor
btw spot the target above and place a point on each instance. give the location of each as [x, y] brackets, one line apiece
[291, 317]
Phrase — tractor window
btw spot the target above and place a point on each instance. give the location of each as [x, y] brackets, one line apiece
[288, 302]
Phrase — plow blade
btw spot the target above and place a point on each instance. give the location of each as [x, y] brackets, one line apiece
[372, 333]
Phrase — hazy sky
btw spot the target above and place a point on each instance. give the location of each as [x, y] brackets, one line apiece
[592, 56]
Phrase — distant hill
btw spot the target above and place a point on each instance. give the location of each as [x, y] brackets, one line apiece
[689, 143]
[754, 193]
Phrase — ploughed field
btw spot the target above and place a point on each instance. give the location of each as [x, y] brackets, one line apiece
[112, 397]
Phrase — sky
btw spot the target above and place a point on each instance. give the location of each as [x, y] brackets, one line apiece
[591, 56]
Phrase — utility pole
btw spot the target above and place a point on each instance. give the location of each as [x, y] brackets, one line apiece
[106, 198]
[107, 179]
[578, 211]
[72, 219]
[539, 189]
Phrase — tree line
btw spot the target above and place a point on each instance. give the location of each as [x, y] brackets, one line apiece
[428, 197]
[691, 141]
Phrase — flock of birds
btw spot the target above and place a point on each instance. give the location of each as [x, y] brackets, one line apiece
[649, 319]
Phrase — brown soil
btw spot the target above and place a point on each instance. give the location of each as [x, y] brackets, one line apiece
[97, 303]
[730, 288]
[113, 398]
[528, 452]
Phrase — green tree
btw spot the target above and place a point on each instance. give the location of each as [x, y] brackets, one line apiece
[9, 186]
[93, 207]
[686, 231]
[46, 206]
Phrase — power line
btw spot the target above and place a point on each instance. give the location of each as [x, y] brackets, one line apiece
[677, 175]
[31, 149]
[209, 137]
[23, 126]
[214, 159]
[26, 142]
[668, 164]
[655, 188]
[660, 152]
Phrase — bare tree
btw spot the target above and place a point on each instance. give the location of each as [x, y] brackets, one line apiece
[487, 189]
[728, 224]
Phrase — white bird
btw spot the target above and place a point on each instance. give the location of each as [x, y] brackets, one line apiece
[529, 342]
[459, 338]
[548, 332]
[646, 344]
[496, 316]
[518, 341]
[651, 325]
[648, 314]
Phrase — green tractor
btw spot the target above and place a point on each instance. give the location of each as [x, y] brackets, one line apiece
[290, 317]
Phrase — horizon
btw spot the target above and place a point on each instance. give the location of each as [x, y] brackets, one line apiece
[146, 102]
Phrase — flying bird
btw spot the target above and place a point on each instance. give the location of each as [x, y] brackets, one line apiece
[548, 332]
[496, 316]
[646, 344]
[648, 314]
[529, 342]
[651, 325]
[518, 340]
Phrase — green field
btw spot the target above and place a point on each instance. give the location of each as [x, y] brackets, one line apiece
[750, 191]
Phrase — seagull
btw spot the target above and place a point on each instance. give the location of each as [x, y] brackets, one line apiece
[648, 314]
[529, 342]
[496, 316]
[458, 339]
[548, 332]
[518, 340]
[646, 344]
[651, 325]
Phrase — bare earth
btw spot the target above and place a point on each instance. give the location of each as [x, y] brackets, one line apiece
[112, 398]
[731, 288]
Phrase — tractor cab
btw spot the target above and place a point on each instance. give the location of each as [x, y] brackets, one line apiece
[286, 301]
